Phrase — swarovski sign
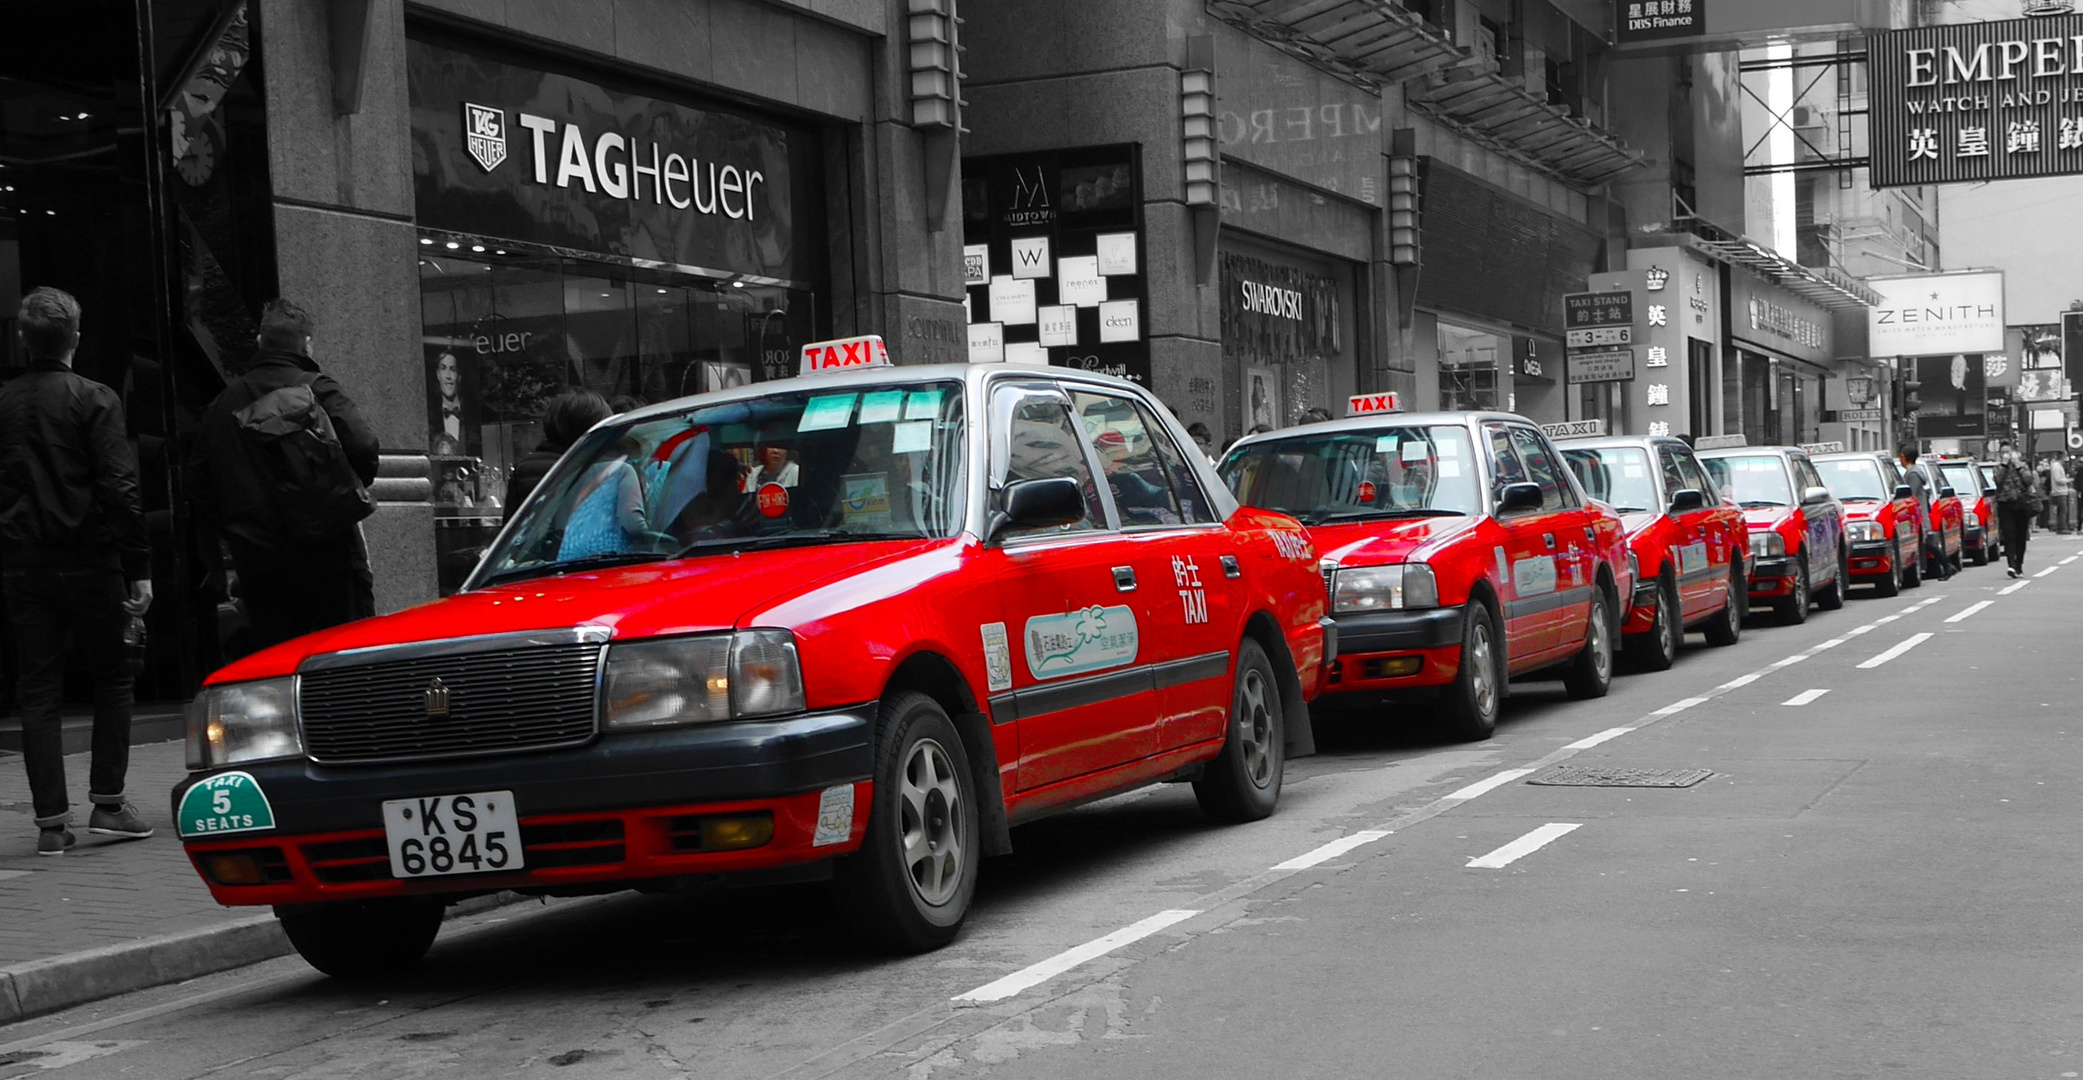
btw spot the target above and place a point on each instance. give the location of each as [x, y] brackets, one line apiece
[1977, 101]
[1937, 314]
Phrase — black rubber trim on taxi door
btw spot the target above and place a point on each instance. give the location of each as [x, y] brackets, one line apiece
[1093, 689]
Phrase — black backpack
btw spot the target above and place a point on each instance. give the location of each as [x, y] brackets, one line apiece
[316, 492]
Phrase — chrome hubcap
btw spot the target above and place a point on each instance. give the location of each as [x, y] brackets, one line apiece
[1601, 649]
[1479, 679]
[929, 807]
[1254, 729]
[1666, 626]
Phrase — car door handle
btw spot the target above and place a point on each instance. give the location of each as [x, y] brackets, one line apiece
[1124, 579]
[1230, 568]
[1590, 536]
[1550, 538]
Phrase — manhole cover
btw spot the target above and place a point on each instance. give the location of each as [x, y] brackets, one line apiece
[1581, 776]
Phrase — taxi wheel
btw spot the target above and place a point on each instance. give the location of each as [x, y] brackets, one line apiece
[1892, 584]
[359, 939]
[909, 887]
[1657, 650]
[1243, 782]
[1727, 627]
[1478, 689]
[1913, 570]
[1794, 608]
[1832, 598]
[1591, 673]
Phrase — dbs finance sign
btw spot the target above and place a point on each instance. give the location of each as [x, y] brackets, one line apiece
[1977, 101]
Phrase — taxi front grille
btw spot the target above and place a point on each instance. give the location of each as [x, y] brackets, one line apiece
[495, 702]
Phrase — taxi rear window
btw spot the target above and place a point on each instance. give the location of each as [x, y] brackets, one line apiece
[812, 466]
[1391, 471]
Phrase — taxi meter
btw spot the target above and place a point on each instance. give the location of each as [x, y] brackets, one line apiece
[865, 351]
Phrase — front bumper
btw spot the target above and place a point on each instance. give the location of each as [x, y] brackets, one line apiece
[625, 807]
[1772, 575]
[1368, 643]
[1873, 558]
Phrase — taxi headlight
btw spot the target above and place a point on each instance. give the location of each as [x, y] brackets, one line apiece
[247, 721]
[1384, 588]
[702, 679]
[1863, 530]
[1766, 545]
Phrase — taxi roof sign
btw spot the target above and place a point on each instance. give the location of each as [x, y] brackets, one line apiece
[1575, 429]
[1719, 442]
[845, 353]
[1831, 447]
[1370, 404]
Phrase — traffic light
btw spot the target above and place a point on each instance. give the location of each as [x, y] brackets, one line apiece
[1910, 401]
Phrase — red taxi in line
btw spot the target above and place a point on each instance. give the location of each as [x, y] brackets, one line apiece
[1981, 533]
[1948, 512]
[1880, 518]
[1458, 551]
[1690, 545]
[1797, 544]
[986, 592]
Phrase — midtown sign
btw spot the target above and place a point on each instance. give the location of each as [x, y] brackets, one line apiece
[1977, 101]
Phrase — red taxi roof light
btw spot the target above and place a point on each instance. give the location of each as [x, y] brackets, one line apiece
[844, 354]
[1370, 404]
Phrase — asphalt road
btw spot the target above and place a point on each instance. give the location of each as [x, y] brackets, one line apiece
[1880, 878]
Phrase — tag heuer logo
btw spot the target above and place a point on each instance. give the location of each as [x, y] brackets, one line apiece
[484, 131]
[437, 699]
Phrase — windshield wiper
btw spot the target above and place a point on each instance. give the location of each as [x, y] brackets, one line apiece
[1858, 498]
[1631, 509]
[756, 543]
[1760, 504]
[1363, 515]
[587, 562]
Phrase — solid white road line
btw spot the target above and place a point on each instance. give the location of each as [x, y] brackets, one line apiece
[1524, 846]
[1036, 974]
[1481, 786]
[1804, 697]
[1331, 850]
[1590, 741]
[1906, 645]
[2009, 589]
[2048, 570]
[1969, 613]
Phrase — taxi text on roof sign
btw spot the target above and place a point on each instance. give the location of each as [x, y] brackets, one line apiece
[1719, 442]
[1369, 404]
[853, 352]
[1575, 429]
[1832, 447]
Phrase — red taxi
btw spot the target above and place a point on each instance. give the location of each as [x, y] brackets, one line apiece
[980, 594]
[1457, 549]
[1797, 544]
[1981, 534]
[1880, 518]
[1959, 504]
[1689, 545]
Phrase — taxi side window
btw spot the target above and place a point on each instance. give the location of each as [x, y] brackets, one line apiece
[1695, 477]
[1125, 442]
[1804, 471]
[1043, 441]
[1193, 502]
[1543, 469]
[1505, 467]
[1890, 475]
[1674, 474]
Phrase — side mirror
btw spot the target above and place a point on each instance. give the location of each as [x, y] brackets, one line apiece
[1948, 492]
[1902, 491]
[1816, 495]
[1686, 499]
[1518, 497]
[1043, 504]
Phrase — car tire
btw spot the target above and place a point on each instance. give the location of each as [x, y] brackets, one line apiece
[1657, 650]
[1476, 695]
[1726, 628]
[1892, 584]
[362, 939]
[1832, 598]
[1913, 571]
[1794, 608]
[909, 887]
[1590, 675]
[1243, 782]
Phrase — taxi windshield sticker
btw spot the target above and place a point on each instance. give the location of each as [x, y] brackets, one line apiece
[225, 803]
[911, 437]
[882, 406]
[1535, 576]
[922, 405]
[998, 657]
[868, 501]
[1414, 451]
[1386, 444]
[826, 411]
[1090, 640]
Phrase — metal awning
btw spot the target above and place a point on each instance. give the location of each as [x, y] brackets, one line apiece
[1377, 42]
[1822, 285]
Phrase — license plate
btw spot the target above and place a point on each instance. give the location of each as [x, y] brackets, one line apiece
[437, 835]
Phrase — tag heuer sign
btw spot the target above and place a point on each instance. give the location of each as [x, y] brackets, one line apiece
[484, 131]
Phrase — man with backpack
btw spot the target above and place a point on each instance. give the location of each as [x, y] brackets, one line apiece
[281, 471]
[2017, 503]
[78, 565]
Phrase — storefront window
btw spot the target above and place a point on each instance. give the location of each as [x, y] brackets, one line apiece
[504, 334]
[1468, 368]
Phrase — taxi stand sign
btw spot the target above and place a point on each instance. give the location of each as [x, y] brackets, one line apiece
[1370, 404]
[842, 354]
[1576, 429]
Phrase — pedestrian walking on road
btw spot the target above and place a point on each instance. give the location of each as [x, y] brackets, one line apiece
[281, 471]
[2017, 503]
[78, 565]
[2062, 490]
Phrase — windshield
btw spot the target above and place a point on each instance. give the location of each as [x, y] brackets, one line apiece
[1379, 473]
[1962, 478]
[1615, 474]
[1854, 480]
[1752, 481]
[790, 468]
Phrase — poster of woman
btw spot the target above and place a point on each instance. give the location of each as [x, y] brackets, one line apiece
[452, 425]
[1261, 399]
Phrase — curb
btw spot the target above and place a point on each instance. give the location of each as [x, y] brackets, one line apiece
[37, 987]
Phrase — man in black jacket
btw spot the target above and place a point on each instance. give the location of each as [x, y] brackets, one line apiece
[77, 562]
[289, 588]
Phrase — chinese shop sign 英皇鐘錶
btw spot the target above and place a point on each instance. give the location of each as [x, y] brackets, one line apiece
[1977, 101]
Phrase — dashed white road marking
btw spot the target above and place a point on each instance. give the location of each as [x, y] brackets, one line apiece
[2070, 559]
[1804, 697]
[2048, 570]
[1680, 706]
[1741, 681]
[1036, 974]
[1590, 741]
[2009, 589]
[1332, 850]
[1524, 846]
[1901, 647]
[1481, 786]
[1969, 612]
